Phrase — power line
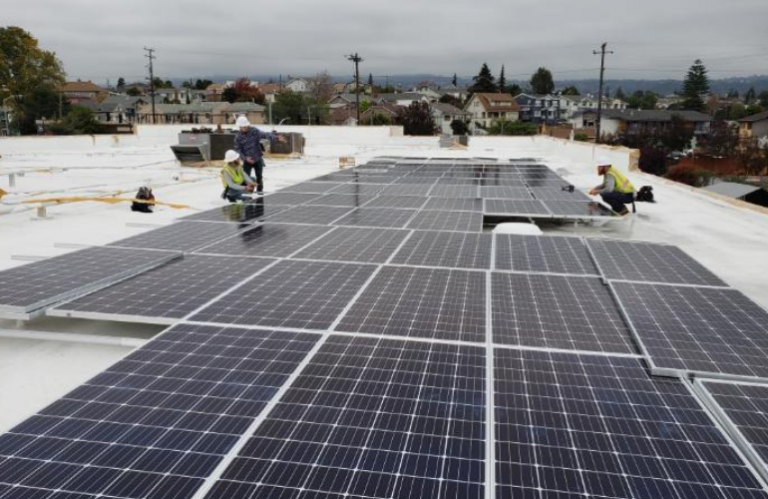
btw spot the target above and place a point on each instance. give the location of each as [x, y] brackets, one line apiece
[602, 53]
[151, 56]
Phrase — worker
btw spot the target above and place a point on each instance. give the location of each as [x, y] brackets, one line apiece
[616, 190]
[237, 183]
[248, 145]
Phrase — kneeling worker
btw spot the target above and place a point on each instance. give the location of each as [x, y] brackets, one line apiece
[616, 190]
[237, 184]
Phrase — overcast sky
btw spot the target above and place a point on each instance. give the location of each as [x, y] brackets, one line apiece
[652, 39]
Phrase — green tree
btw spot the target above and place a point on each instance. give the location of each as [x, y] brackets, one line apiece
[417, 119]
[750, 96]
[763, 98]
[736, 112]
[642, 100]
[722, 140]
[514, 89]
[229, 94]
[484, 81]
[571, 90]
[370, 79]
[202, 84]
[505, 127]
[188, 84]
[502, 85]
[25, 68]
[299, 109]
[754, 109]
[695, 87]
[455, 80]
[133, 92]
[40, 103]
[733, 94]
[120, 83]
[80, 121]
[450, 99]
[620, 94]
[542, 82]
[459, 127]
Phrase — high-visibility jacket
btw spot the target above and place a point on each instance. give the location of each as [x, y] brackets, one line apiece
[236, 172]
[623, 185]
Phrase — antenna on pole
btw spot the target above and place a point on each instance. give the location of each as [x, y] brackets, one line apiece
[357, 60]
[151, 56]
[602, 53]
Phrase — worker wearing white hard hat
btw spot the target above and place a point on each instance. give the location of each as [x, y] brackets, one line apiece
[616, 190]
[248, 146]
[237, 184]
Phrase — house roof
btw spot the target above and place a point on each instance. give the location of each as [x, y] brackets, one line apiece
[111, 103]
[269, 88]
[399, 97]
[490, 100]
[732, 189]
[446, 108]
[242, 107]
[81, 86]
[755, 117]
[637, 115]
[387, 108]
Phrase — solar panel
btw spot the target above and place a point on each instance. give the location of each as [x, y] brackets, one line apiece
[448, 204]
[238, 212]
[166, 294]
[346, 200]
[516, 207]
[359, 189]
[571, 426]
[181, 236]
[714, 331]
[461, 181]
[312, 215]
[462, 221]
[377, 217]
[558, 194]
[375, 179]
[371, 418]
[312, 187]
[570, 313]
[34, 286]
[446, 249]
[407, 190]
[421, 303]
[354, 244]
[268, 239]
[554, 255]
[745, 410]
[401, 202]
[292, 294]
[505, 192]
[157, 423]
[630, 261]
[290, 198]
[578, 209]
[454, 191]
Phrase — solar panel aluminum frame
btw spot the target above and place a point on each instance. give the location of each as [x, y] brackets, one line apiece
[732, 432]
[38, 309]
[101, 316]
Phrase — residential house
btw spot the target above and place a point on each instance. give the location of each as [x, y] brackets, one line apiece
[445, 114]
[755, 126]
[214, 91]
[460, 93]
[666, 102]
[203, 113]
[119, 109]
[339, 88]
[298, 85]
[270, 91]
[346, 100]
[743, 192]
[401, 99]
[633, 121]
[572, 104]
[429, 90]
[391, 111]
[78, 91]
[538, 108]
[486, 108]
[343, 116]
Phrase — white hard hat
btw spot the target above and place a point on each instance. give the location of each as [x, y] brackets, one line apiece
[603, 161]
[231, 156]
[242, 121]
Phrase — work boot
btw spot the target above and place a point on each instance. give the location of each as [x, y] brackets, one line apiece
[623, 212]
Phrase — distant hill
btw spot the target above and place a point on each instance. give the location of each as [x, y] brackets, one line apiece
[663, 87]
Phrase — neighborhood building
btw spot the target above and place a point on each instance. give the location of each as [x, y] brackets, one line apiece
[485, 108]
[78, 91]
[346, 100]
[636, 122]
[755, 126]
[572, 104]
[298, 85]
[390, 111]
[444, 114]
[539, 109]
[404, 99]
[203, 113]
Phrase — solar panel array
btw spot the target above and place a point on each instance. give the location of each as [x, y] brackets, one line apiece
[359, 336]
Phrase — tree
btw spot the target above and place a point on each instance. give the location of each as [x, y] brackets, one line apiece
[763, 98]
[653, 160]
[25, 68]
[514, 89]
[450, 99]
[571, 90]
[733, 94]
[542, 82]
[80, 121]
[202, 84]
[736, 112]
[188, 84]
[229, 94]
[299, 108]
[750, 96]
[133, 92]
[459, 127]
[695, 87]
[722, 140]
[417, 119]
[502, 85]
[642, 100]
[370, 79]
[754, 109]
[753, 157]
[40, 103]
[120, 84]
[455, 80]
[505, 127]
[620, 94]
[321, 86]
[484, 81]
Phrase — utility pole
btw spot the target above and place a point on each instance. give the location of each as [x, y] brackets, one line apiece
[357, 60]
[602, 53]
[151, 56]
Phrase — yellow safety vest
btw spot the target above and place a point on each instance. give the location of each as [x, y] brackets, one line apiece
[237, 174]
[623, 185]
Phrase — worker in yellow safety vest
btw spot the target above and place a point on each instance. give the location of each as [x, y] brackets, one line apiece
[616, 190]
[237, 184]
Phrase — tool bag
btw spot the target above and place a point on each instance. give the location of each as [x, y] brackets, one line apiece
[145, 195]
[645, 194]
